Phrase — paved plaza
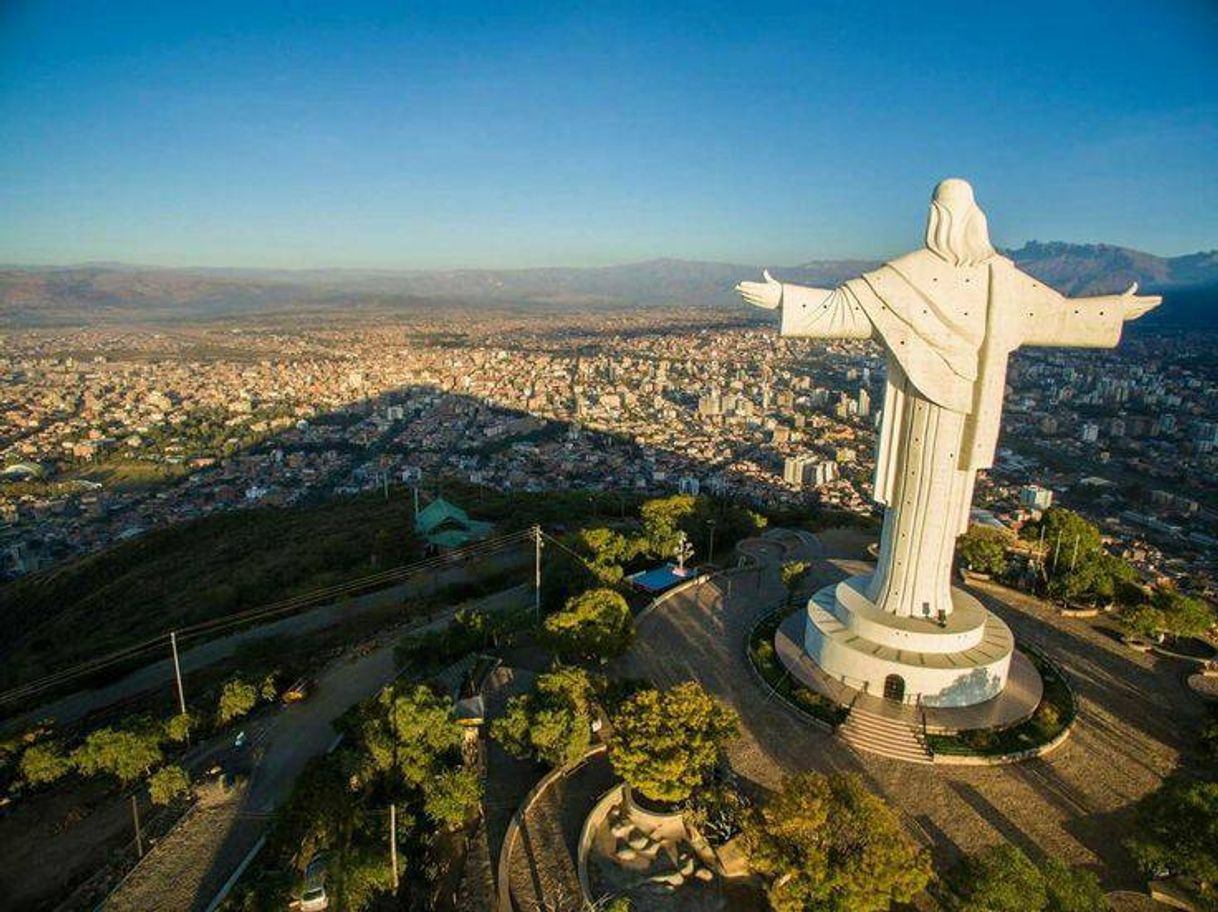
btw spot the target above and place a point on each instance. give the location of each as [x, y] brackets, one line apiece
[1135, 712]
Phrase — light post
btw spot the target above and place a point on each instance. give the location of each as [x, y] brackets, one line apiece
[682, 552]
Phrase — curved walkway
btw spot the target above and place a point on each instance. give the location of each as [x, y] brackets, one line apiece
[1075, 805]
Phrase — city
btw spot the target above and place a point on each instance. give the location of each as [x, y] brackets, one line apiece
[138, 429]
[474, 457]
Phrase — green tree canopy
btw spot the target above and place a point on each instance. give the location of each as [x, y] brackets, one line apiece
[1078, 567]
[825, 842]
[1000, 878]
[592, 625]
[1176, 832]
[983, 549]
[168, 783]
[126, 754]
[792, 572]
[1070, 889]
[411, 731]
[237, 698]
[553, 723]
[43, 762]
[607, 552]
[448, 796]
[663, 518]
[664, 743]
[1183, 615]
[178, 727]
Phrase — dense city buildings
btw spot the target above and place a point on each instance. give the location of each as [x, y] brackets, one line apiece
[108, 432]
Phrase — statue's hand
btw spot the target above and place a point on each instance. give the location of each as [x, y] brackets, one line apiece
[767, 294]
[1135, 304]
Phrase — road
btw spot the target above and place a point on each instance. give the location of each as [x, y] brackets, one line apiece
[160, 674]
[186, 870]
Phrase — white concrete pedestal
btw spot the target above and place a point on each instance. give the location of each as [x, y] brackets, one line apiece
[960, 661]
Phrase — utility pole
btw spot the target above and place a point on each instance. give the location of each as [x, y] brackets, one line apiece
[393, 843]
[386, 484]
[710, 549]
[1074, 554]
[1057, 549]
[139, 841]
[177, 671]
[537, 573]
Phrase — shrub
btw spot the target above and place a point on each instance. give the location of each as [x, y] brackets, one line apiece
[43, 762]
[125, 754]
[825, 842]
[665, 742]
[168, 783]
[596, 624]
[237, 698]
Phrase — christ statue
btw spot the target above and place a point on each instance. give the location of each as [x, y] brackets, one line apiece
[948, 316]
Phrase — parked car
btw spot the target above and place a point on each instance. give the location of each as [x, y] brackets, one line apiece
[299, 691]
[313, 896]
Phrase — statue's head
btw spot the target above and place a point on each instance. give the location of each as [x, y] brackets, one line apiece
[957, 230]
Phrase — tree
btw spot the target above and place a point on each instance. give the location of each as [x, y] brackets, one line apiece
[662, 521]
[168, 783]
[825, 842]
[1077, 566]
[448, 796]
[268, 690]
[125, 754]
[1070, 889]
[43, 762]
[177, 727]
[983, 549]
[792, 572]
[1176, 832]
[1183, 615]
[237, 698]
[554, 723]
[664, 743]
[411, 732]
[607, 552]
[1145, 620]
[592, 625]
[1000, 878]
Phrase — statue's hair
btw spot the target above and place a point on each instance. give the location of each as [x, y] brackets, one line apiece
[956, 229]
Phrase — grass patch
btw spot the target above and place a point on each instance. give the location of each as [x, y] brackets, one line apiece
[132, 474]
[765, 660]
[1052, 716]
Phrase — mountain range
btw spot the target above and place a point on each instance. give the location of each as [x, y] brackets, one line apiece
[92, 293]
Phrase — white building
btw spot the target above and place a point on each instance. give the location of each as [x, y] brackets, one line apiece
[1034, 497]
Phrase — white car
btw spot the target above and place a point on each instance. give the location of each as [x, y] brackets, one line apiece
[313, 898]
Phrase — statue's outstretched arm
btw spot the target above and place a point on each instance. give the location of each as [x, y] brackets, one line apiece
[1092, 322]
[819, 313]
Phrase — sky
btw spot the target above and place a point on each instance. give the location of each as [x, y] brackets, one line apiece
[495, 134]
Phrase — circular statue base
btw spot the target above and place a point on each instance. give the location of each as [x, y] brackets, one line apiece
[1013, 704]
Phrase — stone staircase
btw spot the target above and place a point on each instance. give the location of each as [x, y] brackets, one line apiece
[883, 735]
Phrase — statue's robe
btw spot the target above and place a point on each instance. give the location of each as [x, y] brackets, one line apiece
[948, 331]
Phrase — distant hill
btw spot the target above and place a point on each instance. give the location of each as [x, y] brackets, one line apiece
[115, 292]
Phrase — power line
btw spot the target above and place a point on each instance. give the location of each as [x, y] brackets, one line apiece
[296, 603]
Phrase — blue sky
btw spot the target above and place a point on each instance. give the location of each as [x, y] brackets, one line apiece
[517, 134]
